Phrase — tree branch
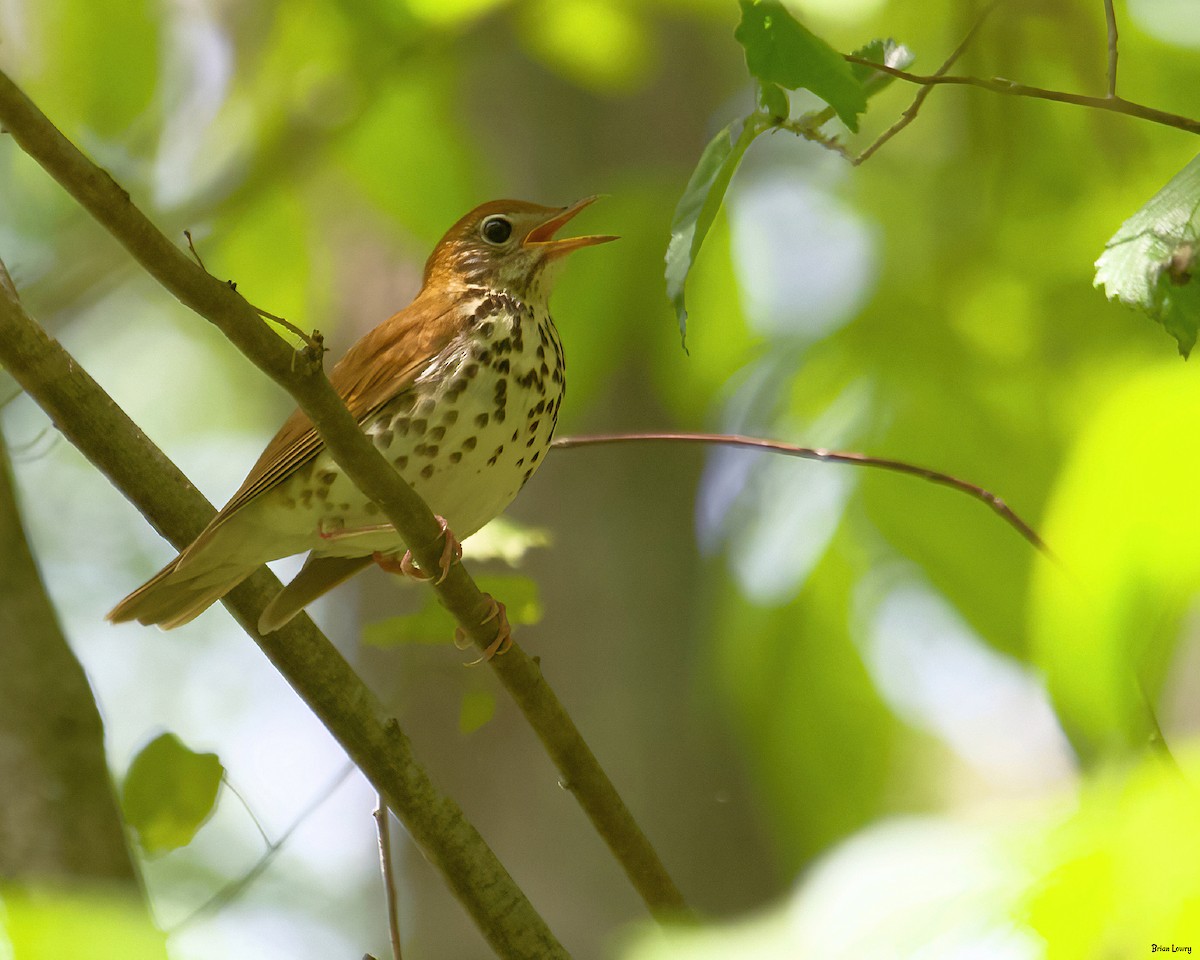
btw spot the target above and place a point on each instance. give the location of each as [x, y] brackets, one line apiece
[90, 419]
[366, 467]
[1113, 104]
[826, 456]
[910, 114]
[59, 820]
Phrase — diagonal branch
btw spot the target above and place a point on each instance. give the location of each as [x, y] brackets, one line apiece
[826, 456]
[369, 470]
[1011, 88]
[102, 432]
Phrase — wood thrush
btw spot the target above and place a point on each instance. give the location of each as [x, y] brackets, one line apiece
[460, 390]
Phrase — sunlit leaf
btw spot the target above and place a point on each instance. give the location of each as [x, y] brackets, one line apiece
[432, 624]
[887, 52]
[505, 539]
[1106, 617]
[1148, 262]
[600, 44]
[169, 792]
[82, 925]
[780, 50]
[478, 707]
[697, 208]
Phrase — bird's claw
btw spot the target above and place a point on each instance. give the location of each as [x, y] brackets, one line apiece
[405, 566]
[503, 632]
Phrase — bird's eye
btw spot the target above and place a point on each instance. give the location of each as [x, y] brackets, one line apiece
[496, 230]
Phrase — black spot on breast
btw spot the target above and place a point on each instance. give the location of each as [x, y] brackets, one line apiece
[481, 420]
[534, 458]
[528, 474]
[486, 329]
[437, 433]
[501, 366]
[516, 433]
[499, 414]
[326, 477]
[321, 493]
[456, 456]
[533, 426]
[450, 419]
[521, 462]
[545, 370]
[531, 441]
[400, 425]
[427, 472]
[419, 426]
[469, 443]
[401, 462]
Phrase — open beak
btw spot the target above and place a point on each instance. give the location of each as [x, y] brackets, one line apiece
[543, 234]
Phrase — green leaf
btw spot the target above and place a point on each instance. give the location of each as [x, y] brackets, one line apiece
[169, 792]
[432, 624]
[1147, 263]
[773, 101]
[697, 208]
[887, 52]
[780, 50]
[478, 707]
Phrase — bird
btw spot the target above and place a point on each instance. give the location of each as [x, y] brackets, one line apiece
[461, 391]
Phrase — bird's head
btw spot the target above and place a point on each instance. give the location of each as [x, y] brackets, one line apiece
[507, 245]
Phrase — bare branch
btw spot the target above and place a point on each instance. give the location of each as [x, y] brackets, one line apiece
[910, 114]
[1013, 89]
[827, 456]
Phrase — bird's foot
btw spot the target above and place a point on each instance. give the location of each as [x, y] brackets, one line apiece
[405, 566]
[503, 632]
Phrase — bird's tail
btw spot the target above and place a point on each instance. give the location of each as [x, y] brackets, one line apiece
[179, 593]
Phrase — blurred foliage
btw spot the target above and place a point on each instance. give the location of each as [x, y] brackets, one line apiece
[1110, 879]
[48, 924]
[169, 791]
[793, 670]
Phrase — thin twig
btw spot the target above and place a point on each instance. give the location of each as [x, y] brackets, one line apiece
[235, 888]
[1110, 21]
[314, 341]
[195, 252]
[382, 815]
[910, 114]
[262, 832]
[1013, 89]
[827, 456]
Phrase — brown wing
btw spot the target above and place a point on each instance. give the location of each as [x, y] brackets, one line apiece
[379, 367]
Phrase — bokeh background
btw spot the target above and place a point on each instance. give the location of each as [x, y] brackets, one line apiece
[853, 711]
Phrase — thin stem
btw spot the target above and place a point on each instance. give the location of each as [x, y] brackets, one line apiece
[1110, 21]
[910, 114]
[382, 815]
[1013, 89]
[235, 888]
[826, 456]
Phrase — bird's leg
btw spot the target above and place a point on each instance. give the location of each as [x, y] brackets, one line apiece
[451, 551]
[503, 631]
